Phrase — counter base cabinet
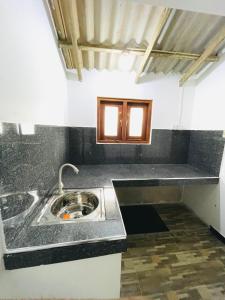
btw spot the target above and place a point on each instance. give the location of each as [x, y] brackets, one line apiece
[97, 277]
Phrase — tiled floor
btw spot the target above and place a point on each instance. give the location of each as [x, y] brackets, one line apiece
[187, 262]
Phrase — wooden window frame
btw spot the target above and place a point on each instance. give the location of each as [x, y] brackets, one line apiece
[124, 106]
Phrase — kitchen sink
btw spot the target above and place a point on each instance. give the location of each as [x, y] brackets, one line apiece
[73, 205]
[15, 206]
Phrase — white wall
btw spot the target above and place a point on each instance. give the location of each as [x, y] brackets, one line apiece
[33, 87]
[164, 91]
[208, 113]
[91, 278]
[209, 105]
[204, 200]
[32, 79]
[187, 104]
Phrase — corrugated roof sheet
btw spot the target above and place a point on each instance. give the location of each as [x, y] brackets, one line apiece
[125, 23]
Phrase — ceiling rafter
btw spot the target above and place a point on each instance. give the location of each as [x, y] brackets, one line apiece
[60, 27]
[65, 16]
[138, 51]
[159, 26]
[71, 6]
[75, 48]
[213, 44]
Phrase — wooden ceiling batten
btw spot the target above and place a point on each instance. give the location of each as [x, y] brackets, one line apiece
[160, 24]
[215, 42]
[138, 51]
[71, 14]
[164, 41]
[181, 55]
[57, 14]
[64, 13]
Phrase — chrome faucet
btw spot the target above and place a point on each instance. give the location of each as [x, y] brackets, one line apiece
[60, 175]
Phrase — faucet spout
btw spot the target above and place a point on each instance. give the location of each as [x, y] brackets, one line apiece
[61, 185]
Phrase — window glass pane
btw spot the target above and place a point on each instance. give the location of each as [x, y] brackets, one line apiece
[111, 120]
[136, 120]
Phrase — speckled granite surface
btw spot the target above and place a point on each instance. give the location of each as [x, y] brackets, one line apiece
[86, 239]
[63, 254]
[137, 174]
[206, 150]
[94, 176]
[167, 147]
[51, 236]
[200, 148]
[45, 236]
[31, 162]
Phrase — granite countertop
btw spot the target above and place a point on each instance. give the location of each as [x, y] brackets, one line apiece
[136, 175]
[37, 245]
[46, 244]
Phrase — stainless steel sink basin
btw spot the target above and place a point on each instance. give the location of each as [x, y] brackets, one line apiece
[73, 206]
[16, 206]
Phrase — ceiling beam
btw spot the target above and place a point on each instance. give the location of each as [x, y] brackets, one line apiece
[213, 44]
[73, 22]
[135, 51]
[138, 51]
[60, 28]
[181, 55]
[159, 26]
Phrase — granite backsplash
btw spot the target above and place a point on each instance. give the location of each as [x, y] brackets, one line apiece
[167, 147]
[201, 149]
[206, 150]
[31, 161]
[30, 157]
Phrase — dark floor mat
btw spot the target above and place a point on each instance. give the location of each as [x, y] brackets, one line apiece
[142, 219]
